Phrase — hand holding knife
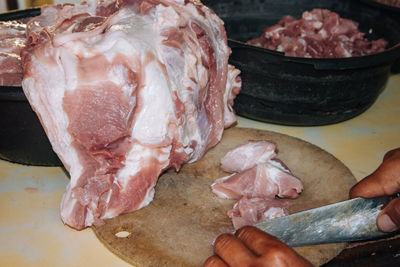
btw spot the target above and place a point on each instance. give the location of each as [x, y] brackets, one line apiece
[359, 219]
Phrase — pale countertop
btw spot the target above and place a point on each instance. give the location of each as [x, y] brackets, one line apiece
[32, 234]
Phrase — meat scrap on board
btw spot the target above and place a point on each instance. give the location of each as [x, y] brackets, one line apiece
[248, 211]
[125, 90]
[247, 155]
[258, 178]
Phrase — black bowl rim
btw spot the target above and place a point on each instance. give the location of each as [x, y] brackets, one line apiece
[20, 14]
[386, 57]
[374, 3]
[12, 93]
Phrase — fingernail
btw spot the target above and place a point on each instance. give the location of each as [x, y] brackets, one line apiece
[386, 224]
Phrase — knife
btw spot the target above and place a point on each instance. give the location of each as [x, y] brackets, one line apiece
[346, 221]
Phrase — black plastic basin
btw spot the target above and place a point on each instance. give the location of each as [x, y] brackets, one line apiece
[22, 138]
[304, 91]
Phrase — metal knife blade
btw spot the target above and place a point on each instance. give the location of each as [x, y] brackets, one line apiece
[346, 221]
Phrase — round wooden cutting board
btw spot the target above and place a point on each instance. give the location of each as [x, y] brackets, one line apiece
[179, 225]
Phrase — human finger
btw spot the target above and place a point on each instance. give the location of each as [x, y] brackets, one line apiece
[383, 181]
[394, 153]
[370, 186]
[215, 261]
[256, 240]
[271, 251]
[389, 218]
[232, 251]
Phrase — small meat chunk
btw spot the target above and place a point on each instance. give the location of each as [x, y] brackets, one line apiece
[247, 155]
[249, 211]
[257, 179]
[265, 180]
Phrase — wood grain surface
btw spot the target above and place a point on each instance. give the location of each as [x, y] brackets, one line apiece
[179, 225]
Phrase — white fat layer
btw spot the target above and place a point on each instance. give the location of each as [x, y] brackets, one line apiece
[89, 219]
[274, 212]
[54, 120]
[222, 179]
[119, 75]
[188, 150]
[278, 164]
[156, 107]
[164, 156]
[67, 204]
[221, 193]
[181, 72]
[128, 33]
[247, 154]
[111, 213]
[229, 115]
[138, 157]
[148, 198]
[272, 172]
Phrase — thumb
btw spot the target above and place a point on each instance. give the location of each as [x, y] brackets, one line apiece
[389, 218]
[383, 181]
[370, 186]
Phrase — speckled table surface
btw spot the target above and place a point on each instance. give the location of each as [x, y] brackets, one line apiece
[32, 234]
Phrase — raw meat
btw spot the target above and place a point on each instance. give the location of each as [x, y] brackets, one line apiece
[248, 155]
[394, 3]
[318, 34]
[249, 211]
[12, 41]
[265, 180]
[125, 90]
[258, 178]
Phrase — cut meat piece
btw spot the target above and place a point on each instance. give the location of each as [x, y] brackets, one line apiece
[125, 90]
[257, 180]
[249, 211]
[265, 180]
[12, 41]
[320, 33]
[247, 155]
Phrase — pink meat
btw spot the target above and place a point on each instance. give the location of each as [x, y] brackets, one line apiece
[247, 155]
[12, 41]
[318, 34]
[249, 211]
[395, 3]
[265, 180]
[125, 90]
[257, 180]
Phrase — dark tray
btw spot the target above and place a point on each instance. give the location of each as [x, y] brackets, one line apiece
[304, 91]
[22, 138]
[386, 7]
